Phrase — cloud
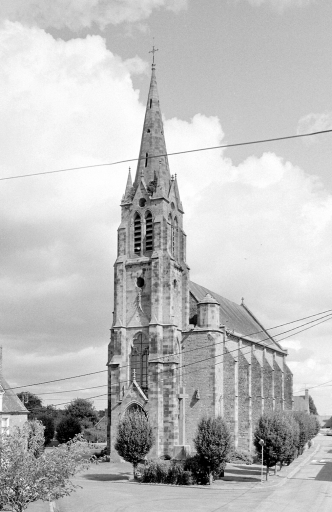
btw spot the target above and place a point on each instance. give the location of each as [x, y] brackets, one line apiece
[261, 230]
[314, 123]
[78, 14]
[281, 5]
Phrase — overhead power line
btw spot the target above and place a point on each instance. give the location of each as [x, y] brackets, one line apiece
[317, 320]
[174, 153]
[213, 357]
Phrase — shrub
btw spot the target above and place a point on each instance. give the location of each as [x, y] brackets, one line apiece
[198, 470]
[28, 474]
[48, 423]
[213, 444]
[155, 471]
[240, 457]
[67, 429]
[134, 438]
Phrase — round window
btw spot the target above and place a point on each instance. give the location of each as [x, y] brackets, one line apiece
[142, 202]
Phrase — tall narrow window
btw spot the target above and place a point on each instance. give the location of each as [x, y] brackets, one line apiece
[139, 361]
[146, 159]
[175, 237]
[137, 234]
[170, 220]
[149, 232]
[150, 102]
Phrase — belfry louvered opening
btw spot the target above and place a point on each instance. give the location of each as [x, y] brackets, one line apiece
[149, 232]
[137, 234]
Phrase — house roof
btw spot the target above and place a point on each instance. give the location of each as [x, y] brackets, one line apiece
[11, 404]
[237, 317]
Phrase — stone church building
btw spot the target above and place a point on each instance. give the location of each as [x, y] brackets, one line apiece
[178, 350]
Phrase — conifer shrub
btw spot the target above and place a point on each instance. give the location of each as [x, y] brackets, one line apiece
[134, 438]
[213, 444]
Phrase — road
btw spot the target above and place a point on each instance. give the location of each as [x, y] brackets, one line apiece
[309, 490]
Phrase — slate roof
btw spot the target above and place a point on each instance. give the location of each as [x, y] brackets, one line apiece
[236, 317]
[11, 404]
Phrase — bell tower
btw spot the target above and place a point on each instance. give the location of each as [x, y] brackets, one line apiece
[151, 292]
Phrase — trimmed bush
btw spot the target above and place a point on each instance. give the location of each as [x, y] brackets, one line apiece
[135, 438]
[213, 444]
[275, 429]
[302, 419]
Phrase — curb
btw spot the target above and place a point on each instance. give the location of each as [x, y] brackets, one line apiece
[303, 463]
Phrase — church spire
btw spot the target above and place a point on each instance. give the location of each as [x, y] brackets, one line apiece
[155, 171]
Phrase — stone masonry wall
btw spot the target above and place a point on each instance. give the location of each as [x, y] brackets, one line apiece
[278, 387]
[198, 377]
[288, 388]
[229, 390]
[256, 376]
[243, 403]
[268, 393]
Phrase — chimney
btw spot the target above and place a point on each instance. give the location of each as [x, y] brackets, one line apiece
[306, 400]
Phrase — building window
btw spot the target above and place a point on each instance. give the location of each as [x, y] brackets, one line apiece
[150, 102]
[4, 425]
[139, 361]
[175, 238]
[146, 159]
[137, 234]
[148, 232]
[170, 220]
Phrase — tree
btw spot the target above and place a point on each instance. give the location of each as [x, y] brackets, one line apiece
[302, 419]
[276, 430]
[213, 444]
[67, 429]
[26, 478]
[48, 422]
[134, 437]
[312, 407]
[84, 411]
[32, 402]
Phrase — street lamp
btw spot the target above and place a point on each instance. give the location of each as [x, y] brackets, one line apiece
[261, 442]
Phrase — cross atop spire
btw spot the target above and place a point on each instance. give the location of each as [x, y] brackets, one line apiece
[153, 51]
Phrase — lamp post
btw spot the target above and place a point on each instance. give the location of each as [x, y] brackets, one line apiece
[261, 442]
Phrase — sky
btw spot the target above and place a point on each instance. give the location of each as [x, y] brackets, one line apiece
[74, 77]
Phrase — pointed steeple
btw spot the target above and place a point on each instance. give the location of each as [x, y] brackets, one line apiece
[154, 170]
[128, 195]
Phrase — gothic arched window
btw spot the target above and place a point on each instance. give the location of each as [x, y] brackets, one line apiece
[148, 232]
[137, 234]
[139, 361]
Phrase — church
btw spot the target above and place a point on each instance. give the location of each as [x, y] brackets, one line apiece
[179, 351]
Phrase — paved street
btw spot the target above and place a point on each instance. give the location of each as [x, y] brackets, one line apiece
[106, 488]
